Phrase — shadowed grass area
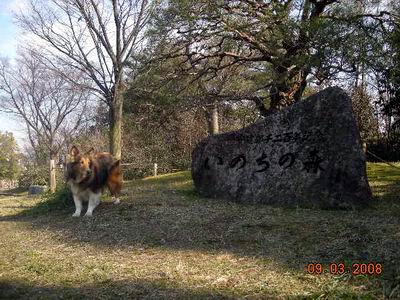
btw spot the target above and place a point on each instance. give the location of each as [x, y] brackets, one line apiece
[166, 242]
[17, 190]
[50, 203]
[134, 289]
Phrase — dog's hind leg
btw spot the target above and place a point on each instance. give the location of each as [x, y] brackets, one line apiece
[78, 206]
[94, 200]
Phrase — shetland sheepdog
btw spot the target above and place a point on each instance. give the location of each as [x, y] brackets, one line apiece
[88, 174]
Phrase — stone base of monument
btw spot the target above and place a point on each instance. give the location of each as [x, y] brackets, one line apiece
[309, 155]
[37, 189]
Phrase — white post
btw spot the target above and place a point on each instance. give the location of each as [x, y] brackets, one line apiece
[52, 176]
[155, 169]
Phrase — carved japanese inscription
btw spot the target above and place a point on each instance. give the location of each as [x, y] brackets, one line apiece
[307, 155]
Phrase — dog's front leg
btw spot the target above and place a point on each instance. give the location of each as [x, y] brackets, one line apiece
[78, 205]
[94, 200]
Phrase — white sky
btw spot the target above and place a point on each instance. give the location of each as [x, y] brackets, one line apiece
[8, 46]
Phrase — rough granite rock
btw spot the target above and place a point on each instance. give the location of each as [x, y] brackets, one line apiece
[37, 189]
[308, 155]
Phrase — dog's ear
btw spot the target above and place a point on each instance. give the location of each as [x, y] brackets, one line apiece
[90, 152]
[74, 151]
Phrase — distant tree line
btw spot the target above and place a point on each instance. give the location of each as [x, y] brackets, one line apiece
[10, 167]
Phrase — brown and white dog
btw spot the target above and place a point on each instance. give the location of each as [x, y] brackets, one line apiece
[88, 174]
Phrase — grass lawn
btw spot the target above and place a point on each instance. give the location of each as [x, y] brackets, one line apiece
[165, 242]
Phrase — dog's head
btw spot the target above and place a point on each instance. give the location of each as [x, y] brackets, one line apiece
[79, 167]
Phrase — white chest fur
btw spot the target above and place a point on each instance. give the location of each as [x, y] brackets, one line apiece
[77, 191]
[81, 195]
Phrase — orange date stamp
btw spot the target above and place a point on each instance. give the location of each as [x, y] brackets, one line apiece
[342, 268]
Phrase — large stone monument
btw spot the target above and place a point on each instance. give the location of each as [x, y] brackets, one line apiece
[308, 155]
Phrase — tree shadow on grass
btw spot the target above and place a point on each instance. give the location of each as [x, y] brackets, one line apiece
[168, 214]
[139, 289]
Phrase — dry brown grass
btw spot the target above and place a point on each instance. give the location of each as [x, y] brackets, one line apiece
[165, 242]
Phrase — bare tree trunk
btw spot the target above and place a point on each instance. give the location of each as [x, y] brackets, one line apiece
[288, 91]
[363, 82]
[116, 124]
[52, 165]
[212, 118]
[357, 75]
[92, 44]
[389, 126]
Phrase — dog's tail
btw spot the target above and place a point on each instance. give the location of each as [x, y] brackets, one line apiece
[114, 181]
